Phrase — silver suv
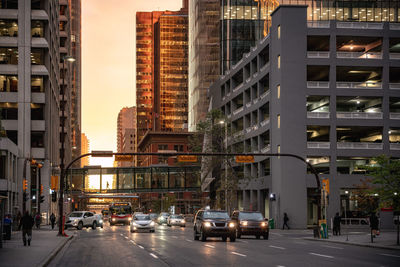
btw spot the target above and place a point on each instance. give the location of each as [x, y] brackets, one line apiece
[80, 219]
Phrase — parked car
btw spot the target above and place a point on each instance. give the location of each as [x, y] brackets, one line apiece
[142, 222]
[250, 223]
[99, 219]
[213, 223]
[163, 218]
[178, 220]
[80, 219]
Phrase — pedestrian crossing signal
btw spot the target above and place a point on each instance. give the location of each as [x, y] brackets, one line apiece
[25, 185]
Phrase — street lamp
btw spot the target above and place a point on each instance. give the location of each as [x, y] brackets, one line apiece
[226, 163]
[62, 154]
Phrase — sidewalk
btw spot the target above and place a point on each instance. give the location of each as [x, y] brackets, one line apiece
[44, 246]
[386, 240]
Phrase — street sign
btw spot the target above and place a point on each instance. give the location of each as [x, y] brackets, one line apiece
[187, 158]
[54, 182]
[123, 157]
[325, 185]
[244, 159]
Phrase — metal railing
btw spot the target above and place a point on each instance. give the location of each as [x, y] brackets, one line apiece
[318, 24]
[394, 86]
[318, 115]
[238, 110]
[368, 55]
[317, 54]
[359, 85]
[266, 148]
[394, 55]
[322, 145]
[394, 146]
[264, 122]
[394, 26]
[394, 115]
[315, 84]
[359, 25]
[264, 94]
[359, 115]
[359, 145]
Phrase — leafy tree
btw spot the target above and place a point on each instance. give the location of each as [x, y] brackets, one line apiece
[364, 196]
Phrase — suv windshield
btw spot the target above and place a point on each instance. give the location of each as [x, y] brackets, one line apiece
[164, 214]
[142, 217]
[215, 215]
[176, 217]
[251, 216]
[76, 214]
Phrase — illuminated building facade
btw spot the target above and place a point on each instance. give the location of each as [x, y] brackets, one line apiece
[126, 132]
[161, 71]
[85, 147]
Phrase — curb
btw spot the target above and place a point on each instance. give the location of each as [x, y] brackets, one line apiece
[54, 253]
[353, 244]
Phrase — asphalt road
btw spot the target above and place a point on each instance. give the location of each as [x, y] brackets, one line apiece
[116, 246]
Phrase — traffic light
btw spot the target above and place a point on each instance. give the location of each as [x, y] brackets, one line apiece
[25, 184]
[24, 197]
[41, 199]
[41, 189]
[54, 196]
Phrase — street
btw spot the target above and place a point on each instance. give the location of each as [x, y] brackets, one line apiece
[116, 246]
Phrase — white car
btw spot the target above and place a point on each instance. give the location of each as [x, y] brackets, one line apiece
[142, 222]
[99, 219]
[178, 220]
[80, 219]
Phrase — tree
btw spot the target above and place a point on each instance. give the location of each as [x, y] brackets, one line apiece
[364, 196]
[210, 138]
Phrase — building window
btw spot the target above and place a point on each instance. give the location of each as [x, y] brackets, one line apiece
[37, 28]
[178, 148]
[8, 83]
[37, 139]
[279, 91]
[37, 84]
[162, 147]
[13, 136]
[279, 31]
[279, 150]
[9, 4]
[37, 56]
[279, 61]
[279, 121]
[9, 111]
[8, 28]
[9, 55]
[37, 111]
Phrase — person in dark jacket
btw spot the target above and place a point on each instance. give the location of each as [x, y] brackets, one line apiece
[27, 224]
[336, 224]
[285, 221]
[374, 224]
[52, 220]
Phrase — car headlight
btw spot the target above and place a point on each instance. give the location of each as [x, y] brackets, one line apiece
[244, 223]
[113, 219]
[152, 224]
[183, 221]
[100, 221]
[231, 225]
[134, 223]
[130, 219]
[263, 224]
[76, 220]
[207, 224]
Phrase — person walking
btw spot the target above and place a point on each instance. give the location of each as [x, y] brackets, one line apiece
[37, 220]
[374, 224]
[52, 220]
[27, 224]
[336, 224]
[285, 221]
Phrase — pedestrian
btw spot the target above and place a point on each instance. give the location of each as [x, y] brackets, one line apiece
[52, 220]
[336, 224]
[285, 221]
[374, 224]
[27, 224]
[37, 220]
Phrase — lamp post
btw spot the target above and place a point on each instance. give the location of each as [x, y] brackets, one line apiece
[226, 163]
[62, 154]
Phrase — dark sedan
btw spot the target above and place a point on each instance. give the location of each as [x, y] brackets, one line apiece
[213, 223]
[250, 223]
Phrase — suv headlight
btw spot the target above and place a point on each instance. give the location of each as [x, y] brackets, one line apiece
[152, 223]
[231, 225]
[183, 221]
[263, 224]
[130, 219]
[207, 224]
[244, 223]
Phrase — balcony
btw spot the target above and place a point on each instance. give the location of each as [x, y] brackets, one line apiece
[394, 55]
[394, 146]
[318, 115]
[359, 25]
[318, 24]
[359, 145]
[394, 26]
[237, 88]
[264, 95]
[394, 86]
[266, 149]
[238, 134]
[249, 129]
[264, 122]
[394, 116]
[264, 67]
[359, 85]
[317, 54]
[361, 55]
[318, 145]
[359, 115]
[312, 84]
[238, 110]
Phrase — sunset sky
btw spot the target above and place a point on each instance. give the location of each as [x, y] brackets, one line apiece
[108, 65]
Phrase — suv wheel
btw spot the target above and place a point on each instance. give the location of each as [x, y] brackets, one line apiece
[94, 225]
[224, 238]
[203, 237]
[266, 235]
[258, 236]
[238, 233]
[195, 236]
[232, 238]
[80, 226]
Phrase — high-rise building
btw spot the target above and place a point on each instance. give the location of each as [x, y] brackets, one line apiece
[126, 131]
[30, 92]
[326, 91]
[85, 148]
[162, 71]
[204, 18]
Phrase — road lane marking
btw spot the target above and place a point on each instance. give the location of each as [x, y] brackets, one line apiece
[326, 246]
[140, 246]
[174, 237]
[133, 242]
[162, 238]
[321, 255]
[121, 234]
[390, 255]
[154, 256]
[235, 253]
[244, 241]
[126, 237]
[209, 246]
[301, 243]
[276, 234]
[276, 247]
[189, 240]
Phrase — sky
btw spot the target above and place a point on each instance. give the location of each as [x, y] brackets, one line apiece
[108, 66]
